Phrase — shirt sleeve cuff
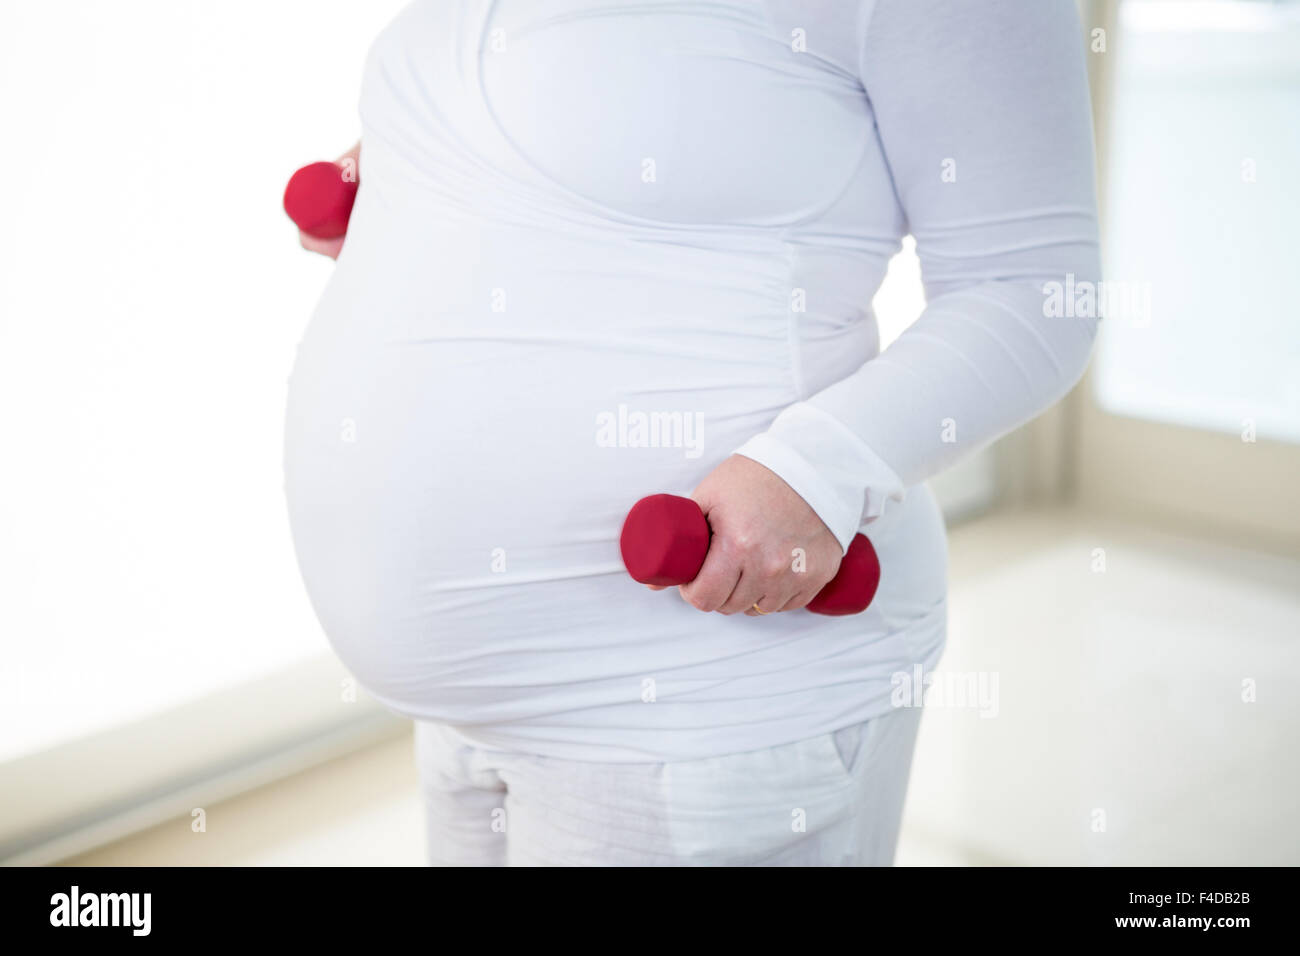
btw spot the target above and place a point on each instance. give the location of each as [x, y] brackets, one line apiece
[827, 465]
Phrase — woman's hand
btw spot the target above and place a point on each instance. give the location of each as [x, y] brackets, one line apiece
[332, 247]
[768, 549]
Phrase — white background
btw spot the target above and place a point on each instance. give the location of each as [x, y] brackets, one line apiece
[151, 295]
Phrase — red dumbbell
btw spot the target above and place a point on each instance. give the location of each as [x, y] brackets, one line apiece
[319, 200]
[666, 537]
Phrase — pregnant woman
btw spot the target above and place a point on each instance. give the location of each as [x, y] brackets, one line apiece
[605, 249]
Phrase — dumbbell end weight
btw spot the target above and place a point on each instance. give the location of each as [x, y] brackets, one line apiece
[664, 541]
[319, 200]
[854, 585]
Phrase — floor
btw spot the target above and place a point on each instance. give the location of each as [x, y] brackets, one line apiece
[1110, 695]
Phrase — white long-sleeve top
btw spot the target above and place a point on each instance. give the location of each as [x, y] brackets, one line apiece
[600, 246]
[981, 114]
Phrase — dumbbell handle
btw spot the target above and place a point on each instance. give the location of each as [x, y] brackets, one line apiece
[319, 200]
[665, 539]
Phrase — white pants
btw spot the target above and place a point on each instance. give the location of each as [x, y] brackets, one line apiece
[833, 800]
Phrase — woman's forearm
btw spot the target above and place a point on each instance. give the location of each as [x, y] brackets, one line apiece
[990, 148]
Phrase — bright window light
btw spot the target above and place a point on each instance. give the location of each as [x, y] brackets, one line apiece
[1200, 218]
[151, 295]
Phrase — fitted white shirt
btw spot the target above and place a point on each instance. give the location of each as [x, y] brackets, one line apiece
[599, 247]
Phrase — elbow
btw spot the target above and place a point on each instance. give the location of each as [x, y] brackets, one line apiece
[1073, 305]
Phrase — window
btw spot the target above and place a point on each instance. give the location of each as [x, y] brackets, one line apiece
[1200, 218]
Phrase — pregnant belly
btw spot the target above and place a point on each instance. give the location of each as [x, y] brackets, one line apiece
[457, 473]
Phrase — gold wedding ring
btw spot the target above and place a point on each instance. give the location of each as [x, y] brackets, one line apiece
[760, 610]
